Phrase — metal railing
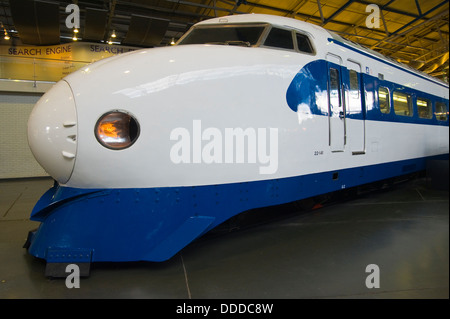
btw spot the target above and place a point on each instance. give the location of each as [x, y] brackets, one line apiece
[37, 69]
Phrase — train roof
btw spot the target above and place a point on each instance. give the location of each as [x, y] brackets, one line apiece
[266, 18]
[315, 30]
[384, 57]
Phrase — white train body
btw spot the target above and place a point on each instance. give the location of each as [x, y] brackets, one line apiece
[242, 114]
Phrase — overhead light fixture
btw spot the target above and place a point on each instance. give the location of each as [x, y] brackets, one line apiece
[75, 33]
[172, 42]
[113, 35]
[110, 42]
[6, 37]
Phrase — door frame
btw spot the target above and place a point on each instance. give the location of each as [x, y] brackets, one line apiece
[336, 114]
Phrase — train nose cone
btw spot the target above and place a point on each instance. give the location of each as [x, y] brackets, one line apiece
[52, 132]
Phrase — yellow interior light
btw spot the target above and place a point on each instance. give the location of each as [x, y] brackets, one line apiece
[116, 130]
[422, 103]
[108, 129]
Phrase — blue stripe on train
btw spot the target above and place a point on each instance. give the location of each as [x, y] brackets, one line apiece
[310, 84]
[153, 224]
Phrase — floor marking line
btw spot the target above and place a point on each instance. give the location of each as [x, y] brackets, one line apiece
[7, 211]
[186, 278]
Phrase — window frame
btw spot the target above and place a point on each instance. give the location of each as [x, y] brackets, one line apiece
[262, 37]
[389, 103]
[445, 109]
[338, 88]
[307, 36]
[294, 40]
[429, 104]
[272, 27]
[409, 103]
[356, 90]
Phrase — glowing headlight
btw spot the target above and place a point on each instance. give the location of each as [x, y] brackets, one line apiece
[117, 130]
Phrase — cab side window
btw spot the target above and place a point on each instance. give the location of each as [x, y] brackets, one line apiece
[303, 43]
[280, 38]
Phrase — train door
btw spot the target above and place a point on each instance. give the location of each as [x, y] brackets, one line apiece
[355, 117]
[336, 104]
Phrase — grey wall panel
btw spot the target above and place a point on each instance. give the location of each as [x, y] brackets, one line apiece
[16, 159]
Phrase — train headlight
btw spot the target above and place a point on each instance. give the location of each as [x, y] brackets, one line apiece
[117, 130]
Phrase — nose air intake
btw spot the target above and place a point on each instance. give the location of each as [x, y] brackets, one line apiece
[52, 132]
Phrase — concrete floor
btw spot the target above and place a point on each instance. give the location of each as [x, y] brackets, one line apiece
[317, 254]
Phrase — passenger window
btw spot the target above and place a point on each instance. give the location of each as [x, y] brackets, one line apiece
[354, 84]
[402, 104]
[303, 43]
[384, 100]
[280, 38]
[441, 111]
[424, 108]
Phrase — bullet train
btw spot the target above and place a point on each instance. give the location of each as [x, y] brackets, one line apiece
[151, 149]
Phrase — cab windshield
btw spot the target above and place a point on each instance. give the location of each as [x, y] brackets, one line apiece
[248, 35]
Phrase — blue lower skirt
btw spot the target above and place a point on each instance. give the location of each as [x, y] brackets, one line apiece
[153, 224]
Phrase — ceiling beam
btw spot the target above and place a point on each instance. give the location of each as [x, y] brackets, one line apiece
[393, 10]
[112, 7]
[320, 11]
[396, 34]
[337, 12]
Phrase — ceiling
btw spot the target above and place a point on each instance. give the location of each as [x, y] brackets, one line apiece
[415, 32]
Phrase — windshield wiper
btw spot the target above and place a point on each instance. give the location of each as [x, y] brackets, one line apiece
[237, 42]
[234, 42]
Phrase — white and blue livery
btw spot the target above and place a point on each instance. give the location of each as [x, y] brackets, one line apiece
[153, 148]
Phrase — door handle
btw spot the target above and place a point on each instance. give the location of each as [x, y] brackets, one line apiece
[341, 115]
